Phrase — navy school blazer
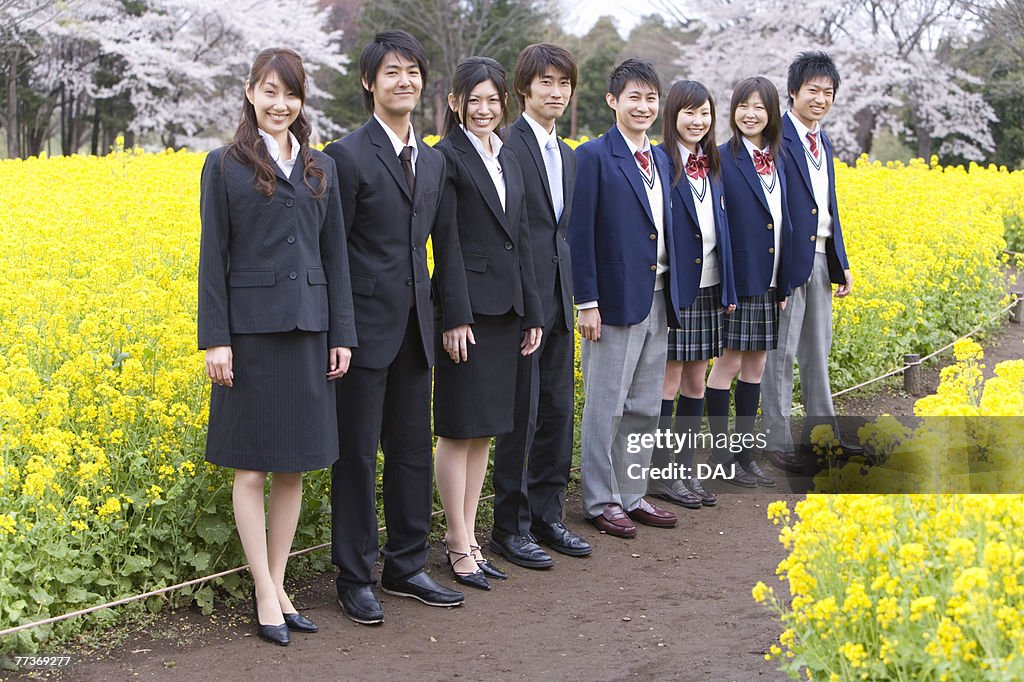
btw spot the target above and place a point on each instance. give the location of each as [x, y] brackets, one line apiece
[495, 241]
[803, 210]
[751, 226]
[689, 244]
[271, 264]
[612, 233]
[387, 228]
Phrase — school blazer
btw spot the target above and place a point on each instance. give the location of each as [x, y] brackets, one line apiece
[495, 242]
[751, 226]
[388, 227]
[612, 233]
[688, 238]
[271, 264]
[803, 210]
[552, 260]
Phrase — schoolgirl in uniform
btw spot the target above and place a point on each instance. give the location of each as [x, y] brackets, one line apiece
[275, 318]
[760, 230]
[474, 387]
[704, 255]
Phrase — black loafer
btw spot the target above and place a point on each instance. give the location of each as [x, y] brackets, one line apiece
[275, 634]
[422, 587]
[676, 493]
[763, 479]
[361, 606]
[740, 476]
[562, 540]
[521, 550]
[707, 499]
[299, 623]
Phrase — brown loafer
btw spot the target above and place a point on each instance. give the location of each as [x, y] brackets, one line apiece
[614, 521]
[649, 515]
[787, 461]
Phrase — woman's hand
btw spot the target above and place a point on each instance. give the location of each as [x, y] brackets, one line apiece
[219, 365]
[456, 342]
[782, 304]
[730, 309]
[338, 359]
[531, 340]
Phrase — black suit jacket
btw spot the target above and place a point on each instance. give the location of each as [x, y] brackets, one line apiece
[271, 264]
[387, 230]
[495, 241]
[552, 264]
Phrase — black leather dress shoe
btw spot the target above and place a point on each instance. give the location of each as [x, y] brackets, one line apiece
[787, 461]
[521, 550]
[674, 492]
[850, 449]
[763, 479]
[360, 605]
[561, 539]
[694, 486]
[489, 569]
[422, 587]
[740, 476]
[299, 623]
[275, 634]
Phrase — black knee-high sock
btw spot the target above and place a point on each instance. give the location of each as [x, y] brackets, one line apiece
[746, 399]
[688, 416]
[662, 457]
[718, 419]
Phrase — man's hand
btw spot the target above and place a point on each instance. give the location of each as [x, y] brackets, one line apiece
[589, 323]
[847, 287]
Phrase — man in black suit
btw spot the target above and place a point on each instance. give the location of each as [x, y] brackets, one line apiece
[390, 185]
[531, 464]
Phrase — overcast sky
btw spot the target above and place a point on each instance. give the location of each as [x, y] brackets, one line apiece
[580, 16]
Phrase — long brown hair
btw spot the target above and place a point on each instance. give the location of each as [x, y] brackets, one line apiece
[247, 146]
[772, 132]
[688, 95]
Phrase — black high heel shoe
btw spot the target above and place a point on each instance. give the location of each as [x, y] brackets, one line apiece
[275, 634]
[489, 569]
[475, 579]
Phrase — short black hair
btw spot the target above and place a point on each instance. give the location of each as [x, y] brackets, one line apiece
[385, 43]
[638, 70]
[532, 62]
[810, 65]
[471, 72]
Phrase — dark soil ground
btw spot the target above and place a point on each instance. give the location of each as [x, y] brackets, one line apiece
[670, 604]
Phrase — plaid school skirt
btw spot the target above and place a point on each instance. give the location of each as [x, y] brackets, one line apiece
[702, 335]
[755, 323]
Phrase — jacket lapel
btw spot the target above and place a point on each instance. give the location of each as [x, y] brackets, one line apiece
[685, 194]
[795, 148]
[628, 165]
[523, 129]
[746, 166]
[387, 156]
[480, 175]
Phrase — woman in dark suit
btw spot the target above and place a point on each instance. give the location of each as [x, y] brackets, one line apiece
[275, 317]
[760, 230]
[474, 388]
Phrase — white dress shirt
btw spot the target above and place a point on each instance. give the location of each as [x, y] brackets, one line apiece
[705, 205]
[490, 161]
[274, 150]
[772, 190]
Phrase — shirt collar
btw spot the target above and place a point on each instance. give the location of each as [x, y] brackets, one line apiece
[479, 146]
[633, 149]
[543, 137]
[751, 146]
[274, 150]
[801, 129]
[396, 141]
[684, 153]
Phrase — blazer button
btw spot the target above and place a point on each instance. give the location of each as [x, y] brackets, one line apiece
[414, 247]
[289, 203]
[555, 259]
[771, 249]
[408, 282]
[814, 211]
[654, 268]
[813, 237]
[291, 239]
[653, 236]
[508, 246]
[697, 261]
[292, 275]
[770, 226]
[697, 235]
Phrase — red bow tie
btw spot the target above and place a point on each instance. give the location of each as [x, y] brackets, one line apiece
[762, 162]
[697, 167]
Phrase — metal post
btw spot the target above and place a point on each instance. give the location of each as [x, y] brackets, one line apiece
[912, 375]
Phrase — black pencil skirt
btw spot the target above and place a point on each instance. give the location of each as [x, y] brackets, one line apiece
[476, 399]
[280, 413]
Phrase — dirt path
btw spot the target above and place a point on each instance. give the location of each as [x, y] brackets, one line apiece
[671, 604]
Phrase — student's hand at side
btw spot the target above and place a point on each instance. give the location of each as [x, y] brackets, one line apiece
[339, 358]
[589, 323]
[219, 365]
[782, 304]
[531, 340]
[730, 309]
[847, 287]
[456, 342]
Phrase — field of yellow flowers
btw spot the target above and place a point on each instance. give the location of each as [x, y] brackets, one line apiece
[915, 587]
[103, 400]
